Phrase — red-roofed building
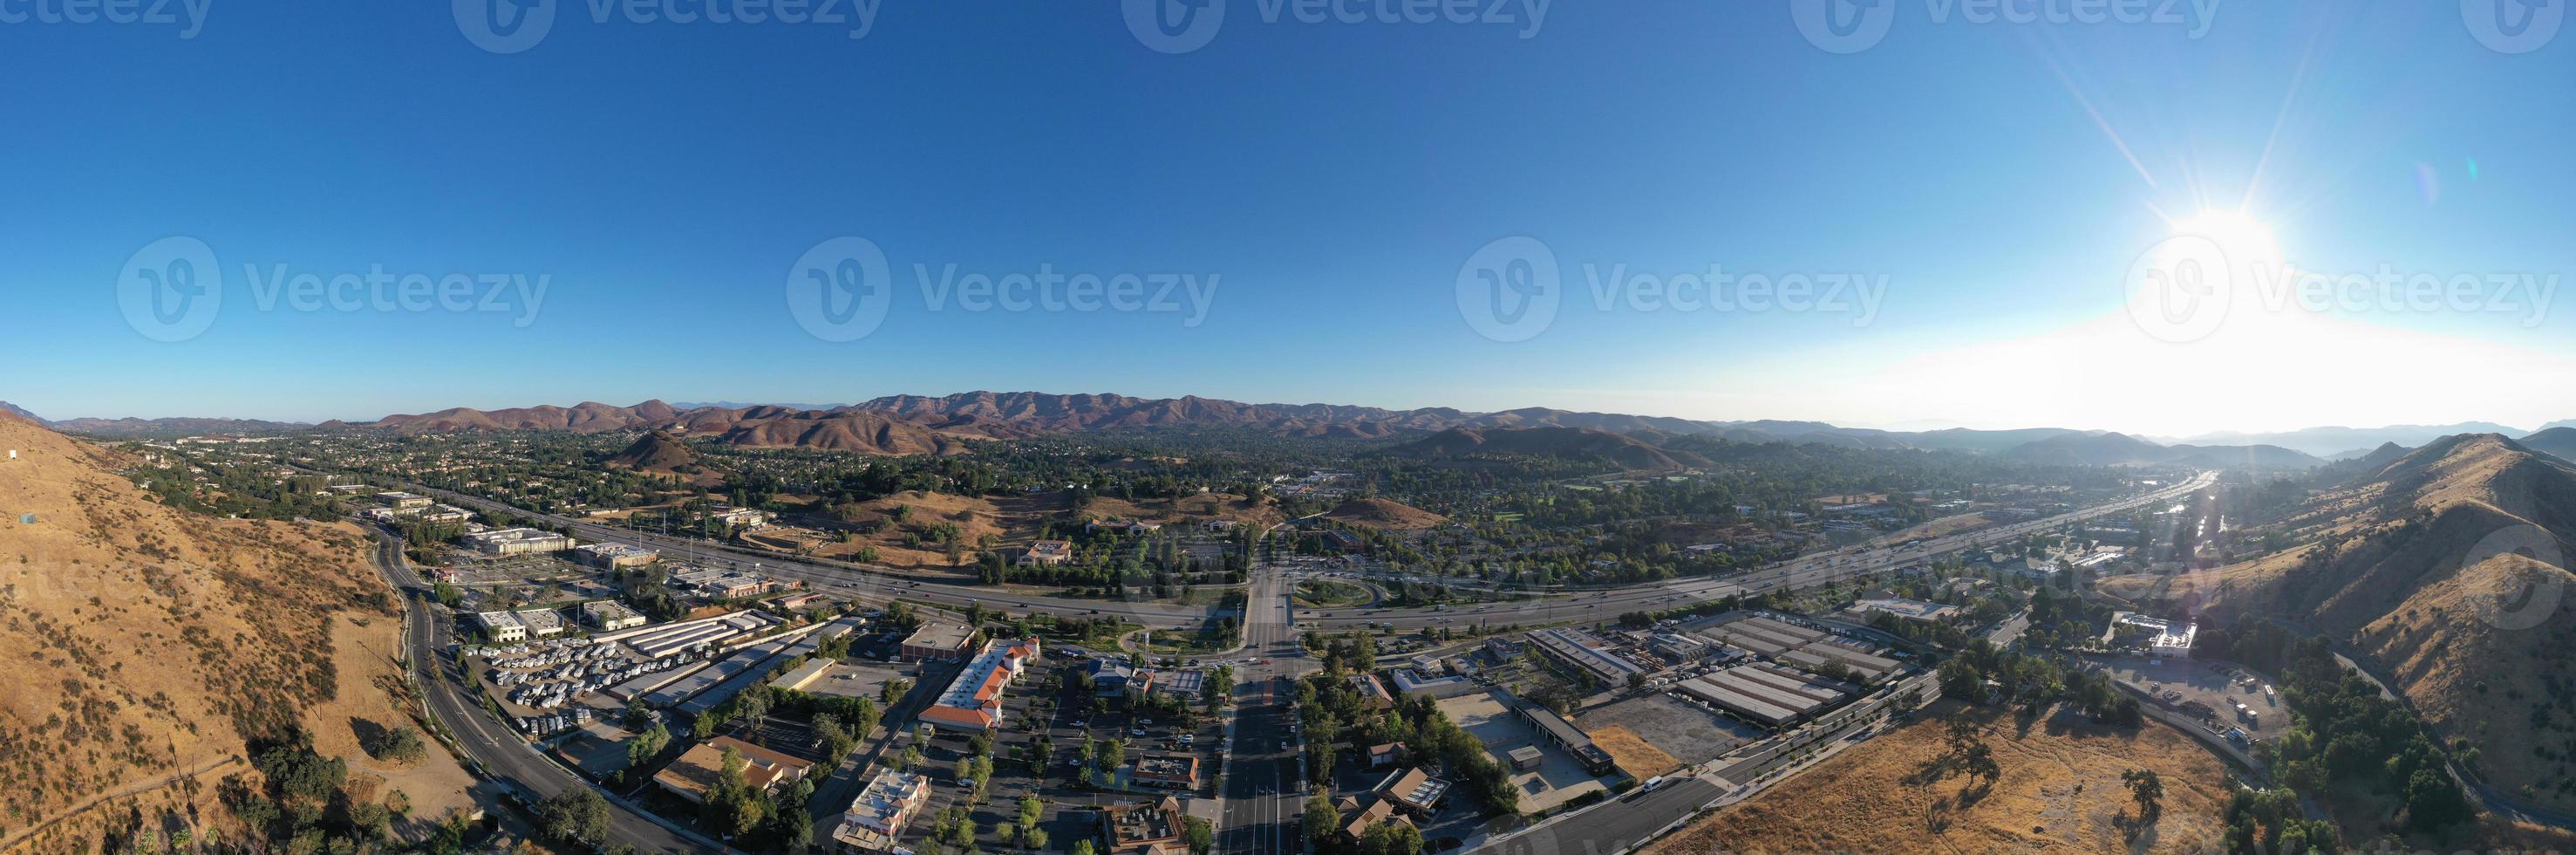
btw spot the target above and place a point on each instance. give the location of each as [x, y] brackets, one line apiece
[974, 701]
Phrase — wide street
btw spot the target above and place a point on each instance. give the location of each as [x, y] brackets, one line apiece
[1264, 784]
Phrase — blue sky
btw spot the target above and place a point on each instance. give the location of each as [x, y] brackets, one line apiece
[1997, 180]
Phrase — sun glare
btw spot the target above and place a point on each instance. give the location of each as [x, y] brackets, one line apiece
[2246, 240]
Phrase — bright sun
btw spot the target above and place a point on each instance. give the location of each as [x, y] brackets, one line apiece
[2246, 240]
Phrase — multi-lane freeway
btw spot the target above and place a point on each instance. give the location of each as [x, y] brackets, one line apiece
[1802, 572]
[1263, 786]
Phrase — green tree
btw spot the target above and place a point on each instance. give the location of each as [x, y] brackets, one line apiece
[1320, 821]
[1198, 834]
[576, 815]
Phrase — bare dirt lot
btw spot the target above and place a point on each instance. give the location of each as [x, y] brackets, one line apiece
[2060, 791]
[1685, 734]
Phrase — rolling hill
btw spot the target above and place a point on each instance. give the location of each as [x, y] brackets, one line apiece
[2559, 442]
[1578, 444]
[2322, 441]
[657, 451]
[166, 641]
[2118, 449]
[2448, 567]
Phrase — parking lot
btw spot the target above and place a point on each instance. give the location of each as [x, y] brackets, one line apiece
[2176, 682]
[1557, 780]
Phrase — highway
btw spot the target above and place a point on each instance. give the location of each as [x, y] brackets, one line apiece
[488, 743]
[1802, 572]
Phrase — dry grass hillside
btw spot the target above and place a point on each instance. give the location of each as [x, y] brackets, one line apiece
[143, 641]
[2060, 791]
[1384, 514]
[915, 540]
[2449, 567]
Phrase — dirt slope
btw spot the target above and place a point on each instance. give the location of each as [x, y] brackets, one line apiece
[142, 640]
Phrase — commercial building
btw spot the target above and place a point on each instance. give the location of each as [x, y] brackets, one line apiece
[517, 541]
[610, 616]
[1527, 758]
[1372, 692]
[743, 517]
[501, 627]
[973, 703]
[874, 823]
[1568, 738]
[1152, 828]
[1765, 695]
[444, 515]
[1584, 654]
[1411, 682]
[1917, 611]
[1681, 648]
[1166, 771]
[1362, 817]
[691, 776]
[938, 640]
[1801, 647]
[1414, 790]
[614, 556]
[541, 623]
[403, 501]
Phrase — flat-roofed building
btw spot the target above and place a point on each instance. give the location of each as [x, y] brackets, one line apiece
[1578, 650]
[517, 541]
[1571, 739]
[444, 515]
[691, 776]
[501, 627]
[875, 821]
[1768, 696]
[1152, 828]
[938, 640]
[1917, 611]
[973, 702]
[1166, 771]
[541, 623]
[1411, 682]
[614, 556]
[1527, 758]
[610, 615]
[401, 501]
